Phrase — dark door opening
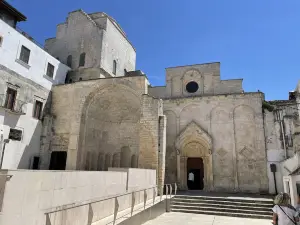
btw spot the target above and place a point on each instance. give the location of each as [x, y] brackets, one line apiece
[195, 173]
[58, 161]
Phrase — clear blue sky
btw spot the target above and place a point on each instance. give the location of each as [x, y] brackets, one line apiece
[257, 40]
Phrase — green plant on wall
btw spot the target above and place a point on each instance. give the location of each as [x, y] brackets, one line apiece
[267, 106]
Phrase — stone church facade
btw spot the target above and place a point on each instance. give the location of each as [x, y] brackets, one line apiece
[108, 115]
[216, 122]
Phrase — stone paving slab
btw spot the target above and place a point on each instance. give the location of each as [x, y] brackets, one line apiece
[174, 218]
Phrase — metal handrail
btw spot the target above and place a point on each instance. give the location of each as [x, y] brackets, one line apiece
[25, 34]
[87, 202]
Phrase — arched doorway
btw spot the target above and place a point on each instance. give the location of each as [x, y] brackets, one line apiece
[194, 146]
[195, 173]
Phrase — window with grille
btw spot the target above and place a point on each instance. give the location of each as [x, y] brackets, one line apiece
[37, 109]
[115, 67]
[50, 70]
[15, 134]
[82, 59]
[10, 100]
[25, 54]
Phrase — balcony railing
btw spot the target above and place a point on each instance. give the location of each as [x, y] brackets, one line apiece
[14, 105]
[27, 36]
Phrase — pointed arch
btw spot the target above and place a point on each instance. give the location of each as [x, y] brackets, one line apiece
[194, 133]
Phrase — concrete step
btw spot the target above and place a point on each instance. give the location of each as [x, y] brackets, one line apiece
[224, 199]
[259, 208]
[216, 213]
[221, 206]
[213, 202]
[228, 210]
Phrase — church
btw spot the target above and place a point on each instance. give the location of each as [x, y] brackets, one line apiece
[108, 115]
[104, 113]
[214, 128]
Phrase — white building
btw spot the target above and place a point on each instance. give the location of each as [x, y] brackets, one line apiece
[27, 73]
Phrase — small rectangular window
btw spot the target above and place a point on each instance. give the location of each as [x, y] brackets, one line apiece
[15, 134]
[50, 70]
[37, 109]
[25, 54]
[10, 100]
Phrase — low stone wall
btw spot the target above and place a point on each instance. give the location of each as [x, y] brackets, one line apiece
[138, 178]
[63, 197]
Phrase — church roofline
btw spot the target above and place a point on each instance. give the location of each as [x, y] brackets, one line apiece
[106, 78]
[212, 95]
[198, 64]
[233, 79]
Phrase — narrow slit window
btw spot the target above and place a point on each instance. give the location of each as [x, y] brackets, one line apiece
[82, 59]
[69, 61]
[115, 67]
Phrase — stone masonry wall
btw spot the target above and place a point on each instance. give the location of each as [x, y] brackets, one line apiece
[235, 123]
[153, 137]
[77, 35]
[98, 122]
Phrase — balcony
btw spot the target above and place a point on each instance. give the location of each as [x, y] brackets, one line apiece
[14, 106]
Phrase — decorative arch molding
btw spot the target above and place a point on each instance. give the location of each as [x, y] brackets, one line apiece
[220, 108]
[191, 70]
[169, 111]
[193, 133]
[193, 142]
[195, 149]
[187, 106]
[99, 89]
[251, 112]
[192, 74]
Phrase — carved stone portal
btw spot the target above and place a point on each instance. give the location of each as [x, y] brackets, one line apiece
[194, 142]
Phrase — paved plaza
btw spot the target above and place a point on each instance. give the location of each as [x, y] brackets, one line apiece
[196, 219]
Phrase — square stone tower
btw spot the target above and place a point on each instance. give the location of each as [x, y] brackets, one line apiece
[93, 45]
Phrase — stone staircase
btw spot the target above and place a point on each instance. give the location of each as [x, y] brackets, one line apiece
[258, 208]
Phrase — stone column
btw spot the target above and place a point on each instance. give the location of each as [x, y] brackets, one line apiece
[183, 173]
[72, 163]
[45, 151]
[149, 134]
[234, 156]
[178, 153]
[178, 169]
[148, 152]
[162, 152]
